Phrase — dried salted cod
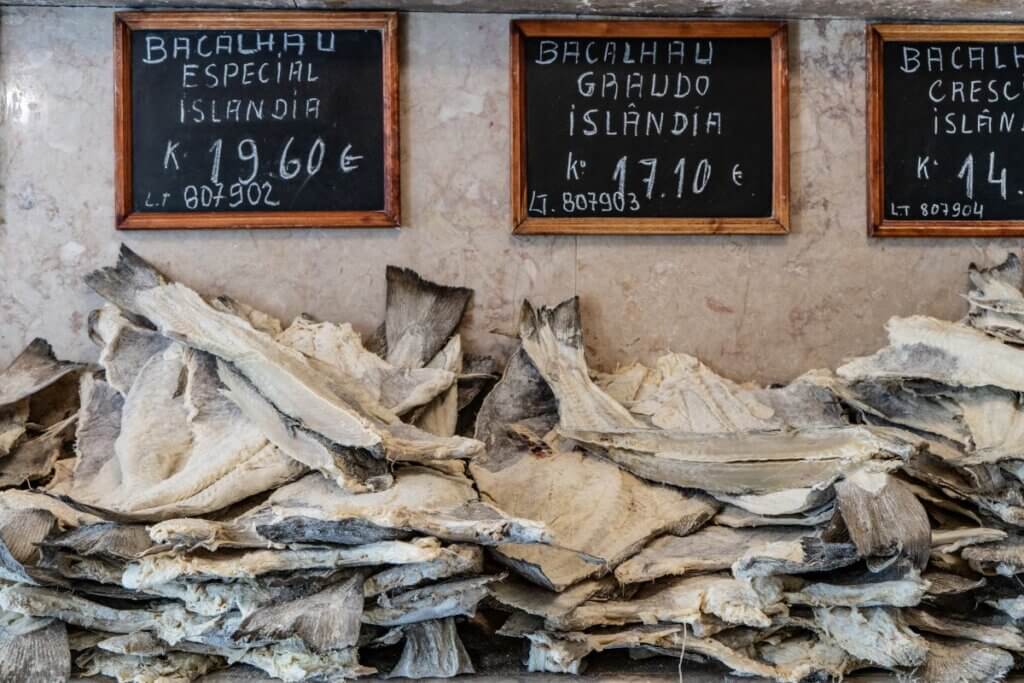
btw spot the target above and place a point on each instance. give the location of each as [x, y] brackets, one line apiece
[169, 666]
[685, 644]
[712, 548]
[804, 657]
[941, 583]
[995, 419]
[898, 403]
[67, 516]
[433, 649]
[327, 620]
[953, 540]
[296, 664]
[35, 458]
[349, 469]
[884, 519]
[996, 305]
[876, 634]
[455, 560]
[397, 388]
[126, 346]
[870, 590]
[21, 532]
[107, 540]
[420, 317]
[553, 339]
[763, 472]
[683, 394]
[441, 415]
[13, 425]
[448, 599]
[528, 479]
[949, 353]
[33, 649]
[956, 661]
[34, 369]
[1002, 558]
[170, 622]
[738, 518]
[801, 556]
[565, 652]
[1007, 636]
[316, 395]
[154, 570]
[686, 600]
[540, 602]
[181, 448]
[422, 500]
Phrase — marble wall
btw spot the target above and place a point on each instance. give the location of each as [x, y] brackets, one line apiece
[754, 308]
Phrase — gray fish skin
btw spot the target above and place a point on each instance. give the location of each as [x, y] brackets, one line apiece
[328, 620]
[34, 650]
[34, 369]
[420, 316]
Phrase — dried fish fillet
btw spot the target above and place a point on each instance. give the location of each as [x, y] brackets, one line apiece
[33, 649]
[1003, 558]
[712, 548]
[801, 556]
[448, 599]
[876, 634]
[956, 661]
[422, 500]
[763, 472]
[441, 415]
[351, 469]
[684, 600]
[565, 652]
[35, 458]
[126, 346]
[540, 602]
[327, 620]
[170, 666]
[432, 649]
[738, 518]
[527, 479]
[950, 353]
[299, 386]
[995, 299]
[396, 388]
[34, 369]
[157, 569]
[884, 519]
[1006, 637]
[420, 317]
[454, 560]
[180, 447]
[682, 394]
[553, 338]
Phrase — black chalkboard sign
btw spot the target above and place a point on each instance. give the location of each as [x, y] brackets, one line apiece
[946, 130]
[268, 119]
[654, 127]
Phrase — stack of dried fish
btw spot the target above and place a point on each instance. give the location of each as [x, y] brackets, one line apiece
[243, 493]
[864, 519]
[224, 492]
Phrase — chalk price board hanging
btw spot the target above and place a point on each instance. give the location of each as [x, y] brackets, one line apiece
[945, 130]
[649, 127]
[256, 120]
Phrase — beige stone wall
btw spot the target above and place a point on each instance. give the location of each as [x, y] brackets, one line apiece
[754, 308]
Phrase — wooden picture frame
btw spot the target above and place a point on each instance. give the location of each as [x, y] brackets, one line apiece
[126, 22]
[775, 224]
[877, 36]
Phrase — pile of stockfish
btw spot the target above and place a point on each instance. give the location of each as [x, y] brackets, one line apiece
[223, 497]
